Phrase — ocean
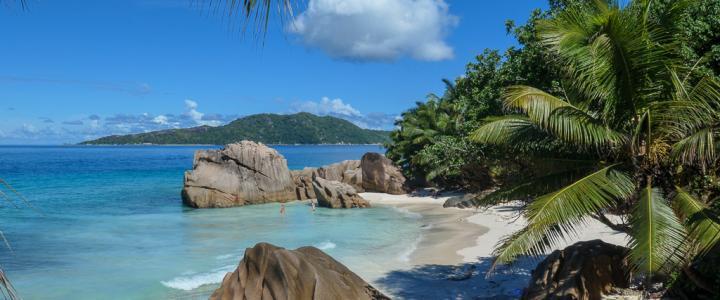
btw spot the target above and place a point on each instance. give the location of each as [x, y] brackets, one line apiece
[108, 223]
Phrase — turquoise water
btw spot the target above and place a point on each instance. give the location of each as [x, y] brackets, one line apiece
[108, 224]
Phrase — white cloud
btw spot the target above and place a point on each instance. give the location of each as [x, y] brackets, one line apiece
[377, 30]
[161, 119]
[338, 108]
[327, 106]
[197, 116]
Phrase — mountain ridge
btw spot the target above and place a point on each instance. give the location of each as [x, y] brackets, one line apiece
[298, 128]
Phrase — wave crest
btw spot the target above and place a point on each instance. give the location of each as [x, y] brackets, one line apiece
[191, 282]
[326, 245]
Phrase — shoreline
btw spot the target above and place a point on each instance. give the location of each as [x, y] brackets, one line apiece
[471, 235]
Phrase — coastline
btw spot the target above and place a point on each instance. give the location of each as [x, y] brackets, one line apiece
[455, 253]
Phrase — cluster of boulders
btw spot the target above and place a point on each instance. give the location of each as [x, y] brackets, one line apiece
[252, 173]
[270, 272]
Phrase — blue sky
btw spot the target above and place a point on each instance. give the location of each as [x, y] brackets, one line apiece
[75, 70]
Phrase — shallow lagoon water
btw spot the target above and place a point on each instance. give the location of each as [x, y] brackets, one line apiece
[108, 224]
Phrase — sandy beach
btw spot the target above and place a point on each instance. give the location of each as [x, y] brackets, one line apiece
[452, 258]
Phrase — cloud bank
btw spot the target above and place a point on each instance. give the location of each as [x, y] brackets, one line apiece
[337, 108]
[377, 30]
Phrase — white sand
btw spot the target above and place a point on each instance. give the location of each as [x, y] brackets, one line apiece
[449, 253]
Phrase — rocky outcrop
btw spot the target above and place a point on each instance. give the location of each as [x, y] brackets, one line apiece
[303, 183]
[379, 174]
[467, 200]
[584, 270]
[461, 201]
[238, 174]
[251, 173]
[347, 171]
[270, 272]
[335, 194]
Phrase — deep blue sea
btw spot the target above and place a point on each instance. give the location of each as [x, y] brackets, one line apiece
[108, 223]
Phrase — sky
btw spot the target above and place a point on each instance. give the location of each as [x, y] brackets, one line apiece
[77, 70]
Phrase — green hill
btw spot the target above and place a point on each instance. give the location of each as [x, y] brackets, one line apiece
[300, 128]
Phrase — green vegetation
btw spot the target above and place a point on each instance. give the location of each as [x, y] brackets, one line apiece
[605, 108]
[300, 128]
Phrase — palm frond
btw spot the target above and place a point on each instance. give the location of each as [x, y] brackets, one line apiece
[253, 14]
[537, 186]
[583, 197]
[537, 104]
[656, 233]
[506, 130]
[577, 127]
[702, 224]
[698, 148]
[553, 216]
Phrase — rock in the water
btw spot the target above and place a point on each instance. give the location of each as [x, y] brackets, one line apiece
[252, 173]
[584, 270]
[303, 183]
[270, 272]
[347, 171]
[379, 174]
[335, 194]
[239, 174]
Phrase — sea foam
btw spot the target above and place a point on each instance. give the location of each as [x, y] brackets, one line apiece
[326, 245]
[405, 255]
[407, 213]
[191, 282]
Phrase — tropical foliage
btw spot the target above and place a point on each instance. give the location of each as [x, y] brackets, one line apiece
[641, 116]
[606, 108]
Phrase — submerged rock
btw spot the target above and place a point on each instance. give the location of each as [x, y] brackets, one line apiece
[270, 272]
[380, 175]
[335, 194]
[238, 174]
[584, 270]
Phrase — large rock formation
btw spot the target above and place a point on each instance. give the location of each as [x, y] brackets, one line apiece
[239, 174]
[347, 171]
[584, 270]
[379, 174]
[335, 194]
[251, 173]
[270, 272]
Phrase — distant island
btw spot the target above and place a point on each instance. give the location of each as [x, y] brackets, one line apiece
[299, 128]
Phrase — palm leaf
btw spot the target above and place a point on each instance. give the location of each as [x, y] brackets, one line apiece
[553, 216]
[573, 125]
[698, 148]
[506, 130]
[537, 104]
[702, 224]
[535, 187]
[581, 198]
[656, 233]
[254, 14]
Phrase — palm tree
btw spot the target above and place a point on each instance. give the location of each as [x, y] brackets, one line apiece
[640, 122]
[421, 126]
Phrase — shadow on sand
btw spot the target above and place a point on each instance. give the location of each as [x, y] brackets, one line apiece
[466, 281]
